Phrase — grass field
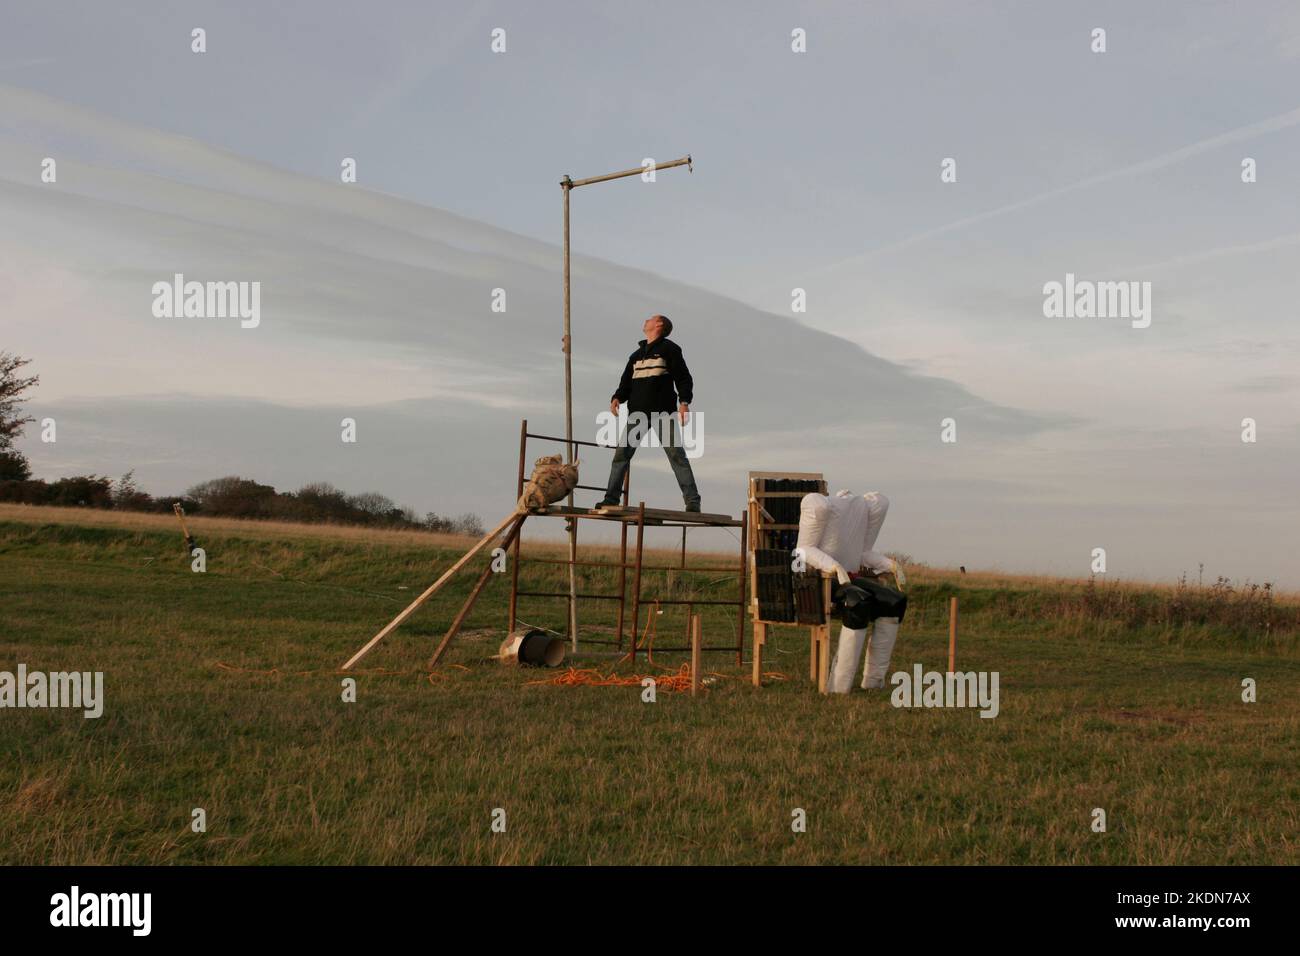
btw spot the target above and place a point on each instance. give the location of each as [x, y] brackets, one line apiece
[222, 692]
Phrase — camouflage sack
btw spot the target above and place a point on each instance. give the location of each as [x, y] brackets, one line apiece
[551, 480]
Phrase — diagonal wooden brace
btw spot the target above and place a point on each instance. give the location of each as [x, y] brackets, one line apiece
[473, 595]
[515, 518]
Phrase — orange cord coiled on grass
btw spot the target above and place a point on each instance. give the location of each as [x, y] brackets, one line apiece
[678, 681]
[592, 677]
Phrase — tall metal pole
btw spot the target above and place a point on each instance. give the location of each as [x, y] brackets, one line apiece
[568, 184]
[568, 428]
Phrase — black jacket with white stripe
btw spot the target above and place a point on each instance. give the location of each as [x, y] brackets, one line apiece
[652, 372]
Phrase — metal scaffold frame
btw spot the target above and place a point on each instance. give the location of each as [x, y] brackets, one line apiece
[639, 517]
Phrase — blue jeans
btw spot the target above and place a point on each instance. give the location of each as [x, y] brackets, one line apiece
[672, 446]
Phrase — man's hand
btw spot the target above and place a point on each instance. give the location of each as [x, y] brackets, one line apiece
[682, 409]
[613, 406]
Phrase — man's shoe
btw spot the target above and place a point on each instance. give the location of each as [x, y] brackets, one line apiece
[694, 508]
[607, 506]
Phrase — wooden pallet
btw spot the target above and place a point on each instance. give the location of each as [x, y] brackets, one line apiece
[654, 516]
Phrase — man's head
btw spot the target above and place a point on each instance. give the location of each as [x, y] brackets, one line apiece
[657, 327]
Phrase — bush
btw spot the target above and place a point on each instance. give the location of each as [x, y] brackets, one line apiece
[83, 491]
[14, 466]
[234, 497]
[25, 492]
[128, 497]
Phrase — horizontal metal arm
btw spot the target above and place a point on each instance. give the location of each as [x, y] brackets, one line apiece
[568, 183]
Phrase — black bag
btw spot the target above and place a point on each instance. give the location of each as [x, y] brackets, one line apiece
[862, 600]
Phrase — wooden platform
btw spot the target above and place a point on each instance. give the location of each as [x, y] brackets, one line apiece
[653, 516]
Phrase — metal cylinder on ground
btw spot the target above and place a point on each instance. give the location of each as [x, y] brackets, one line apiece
[532, 647]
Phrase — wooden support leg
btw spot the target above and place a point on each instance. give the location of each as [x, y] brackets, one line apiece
[812, 653]
[622, 565]
[760, 638]
[824, 631]
[823, 657]
[695, 654]
[636, 575]
[514, 567]
[740, 606]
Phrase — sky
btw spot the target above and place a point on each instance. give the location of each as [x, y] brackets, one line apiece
[816, 170]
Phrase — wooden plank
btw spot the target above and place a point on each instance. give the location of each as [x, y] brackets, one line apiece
[668, 514]
[433, 588]
[750, 545]
[652, 515]
[751, 509]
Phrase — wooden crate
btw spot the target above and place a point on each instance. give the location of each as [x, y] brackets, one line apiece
[777, 594]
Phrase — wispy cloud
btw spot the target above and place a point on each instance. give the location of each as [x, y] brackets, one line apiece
[1207, 255]
[1271, 125]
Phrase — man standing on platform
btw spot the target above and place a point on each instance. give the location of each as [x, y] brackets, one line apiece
[655, 383]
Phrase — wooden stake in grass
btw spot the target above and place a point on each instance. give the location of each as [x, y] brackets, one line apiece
[952, 635]
[180, 516]
[695, 654]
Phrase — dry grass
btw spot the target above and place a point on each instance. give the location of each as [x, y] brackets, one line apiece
[202, 527]
[222, 692]
[285, 530]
